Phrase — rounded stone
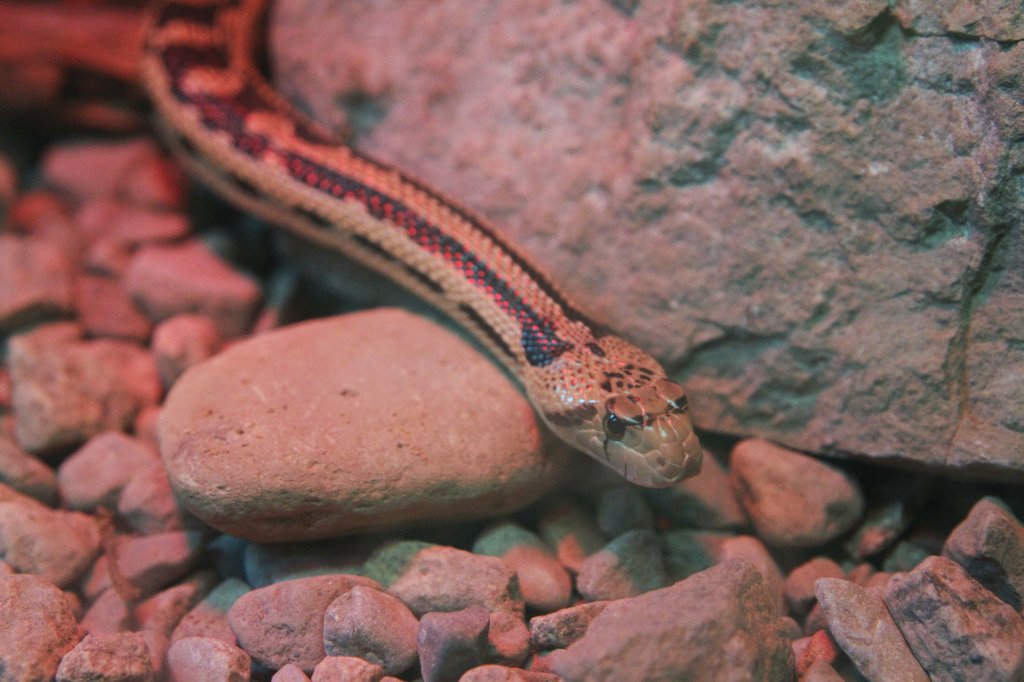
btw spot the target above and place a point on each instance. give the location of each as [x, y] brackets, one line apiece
[348, 424]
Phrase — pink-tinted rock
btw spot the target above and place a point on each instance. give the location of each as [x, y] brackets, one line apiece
[508, 639]
[374, 626]
[543, 581]
[129, 223]
[705, 501]
[209, 618]
[164, 610]
[956, 628]
[681, 631]
[281, 437]
[120, 657]
[38, 628]
[750, 549]
[148, 562]
[821, 671]
[25, 473]
[284, 623]
[290, 673]
[560, 629]
[36, 281]
[798, 588]
[492, 672]
[106, 310]
[571, 532]
[813, 650]
[147, 504]
[629, 565]
[54, 544]
[793, 500]
[65, 390]
[346, 669]
[451, 643]
[189, 278]
[182, 341]
[989, 544]
[429, 577]
[211, 660]
[109, 613]
[808, 277]
[94, 475]
[131, 169]
[861, 625]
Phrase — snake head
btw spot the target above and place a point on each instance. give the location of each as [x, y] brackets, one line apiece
[647, 435]
[616, 405]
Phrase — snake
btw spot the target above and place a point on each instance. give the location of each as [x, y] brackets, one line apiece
[236, 134]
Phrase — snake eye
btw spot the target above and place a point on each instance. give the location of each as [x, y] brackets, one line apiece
[674, 395]
[614, 426]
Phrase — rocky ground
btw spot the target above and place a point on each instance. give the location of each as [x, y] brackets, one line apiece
[194, 488]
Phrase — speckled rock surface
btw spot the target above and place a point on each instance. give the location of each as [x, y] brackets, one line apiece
[663, 635]
[808, 210]
[333, 427]
[120, 657]
[39, 628]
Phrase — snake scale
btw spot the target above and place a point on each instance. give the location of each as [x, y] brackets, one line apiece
[596, 391]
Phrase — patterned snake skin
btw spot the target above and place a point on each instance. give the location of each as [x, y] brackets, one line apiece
[596, 391]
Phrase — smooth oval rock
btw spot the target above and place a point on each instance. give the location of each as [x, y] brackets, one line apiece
[348, 424]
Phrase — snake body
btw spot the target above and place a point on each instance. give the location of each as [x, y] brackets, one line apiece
[594, 390]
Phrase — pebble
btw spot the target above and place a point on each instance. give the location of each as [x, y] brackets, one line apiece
[182, 341]
[429, 577]
[38, 628]
[705, 501]
[571, 531]
[799, 586]
[167, 280]
[210, 660]
[148, 562]
[793, 500]
[816, 648]
[147, 504]
[118, 657]
[989, 544]
[956, 628]
[374, 626]
[106, 310]
[860, 623]
[679, 632]
[560, 629]
[65, 390]
[209, 618]
[821, 671]
[133, 170]
[129, 223]
[54, 544]
[621, 509]
[94, 475]
[284, 623]
[492, 672]
[290, 673]
[26, 474]
[326, 450]
[165, 609]
[629, 565]
[451, 643]
[893, 505]
[109, 613]
[752, 550]
[544, 582]
[346, 669]
[36, 281]
[508, 639]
